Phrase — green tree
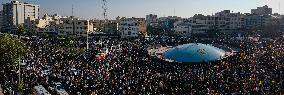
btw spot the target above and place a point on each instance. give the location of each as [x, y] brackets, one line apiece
[11, 49]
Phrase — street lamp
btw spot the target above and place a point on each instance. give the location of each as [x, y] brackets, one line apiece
[87, 40]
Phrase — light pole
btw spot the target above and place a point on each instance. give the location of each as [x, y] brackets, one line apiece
[87, 40]
[19, 30]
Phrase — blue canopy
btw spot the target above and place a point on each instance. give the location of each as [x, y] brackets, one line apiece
[194, 53]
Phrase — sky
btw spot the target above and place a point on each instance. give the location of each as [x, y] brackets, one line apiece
[88, 9]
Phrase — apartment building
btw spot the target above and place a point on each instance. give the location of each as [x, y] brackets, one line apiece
[106, 26]
[132, 27]
[15, 13]
[152, 20]
[1, 20]
[183, 27]
[265, 10]
[72, 26]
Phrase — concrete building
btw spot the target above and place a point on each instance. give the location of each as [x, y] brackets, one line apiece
[60, 25]
[199, 23]
[106, 26]
[132, 27]
[257, 22]
[47, 24]
[223, 21]
[72, 26]
[1, 20]
[227, 21]
[167, 23]
[183, 28]
[151, 20]
[265, 10]
[15, 13]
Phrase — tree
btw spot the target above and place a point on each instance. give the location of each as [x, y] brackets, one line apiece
[10, 50]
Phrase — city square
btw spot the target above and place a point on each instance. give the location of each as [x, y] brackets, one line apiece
[223, 53]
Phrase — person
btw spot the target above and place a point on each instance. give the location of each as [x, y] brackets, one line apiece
[257, 69]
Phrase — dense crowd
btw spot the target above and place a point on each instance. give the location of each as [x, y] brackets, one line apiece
[120, 66]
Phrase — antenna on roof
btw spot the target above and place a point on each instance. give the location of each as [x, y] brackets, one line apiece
[104, 9]
[174, 12]
[279, 6]
[72, 10]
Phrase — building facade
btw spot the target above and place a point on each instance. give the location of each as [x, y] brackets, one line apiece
[132, 27]
[106, 26]
[167, 23]
[15, 13]
[265, 10]
[72, 26]
[227, 21]
[61, 25]
[151, 20]
[47, 24]
[199, 23]
[1, 20]
[183, 28]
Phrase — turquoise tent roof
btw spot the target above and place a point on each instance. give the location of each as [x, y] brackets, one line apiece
[194, 53]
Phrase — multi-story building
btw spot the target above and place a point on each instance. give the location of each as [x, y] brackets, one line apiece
[199, 23]
[74, 27]
[223, 21]
[47, 24]
[106, 26]
[1, 20]
[255, 21]
[281, 22]
[15, 13]
[152, 20]
[227, 21]
[61, 25]
[132, 27]
[265, 10]
[183, 27]
[167, 23]
[259, 18]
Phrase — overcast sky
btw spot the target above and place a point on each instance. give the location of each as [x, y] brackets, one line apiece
[139, 8]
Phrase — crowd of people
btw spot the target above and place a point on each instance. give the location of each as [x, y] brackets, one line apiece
[121, 66]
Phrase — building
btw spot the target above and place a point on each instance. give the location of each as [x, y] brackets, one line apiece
[262, 11]
[106, 26]
[227, 21]
[47, 24]
[60, 25]
[167, 23]
[183, 28]
[199, 23]
[151, 20]
[72, 26]
[132, 27]
[223, 21]
[255, 22]
[1, 20]
[15, 13]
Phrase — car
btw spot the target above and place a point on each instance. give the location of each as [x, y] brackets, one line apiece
[60, 89]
